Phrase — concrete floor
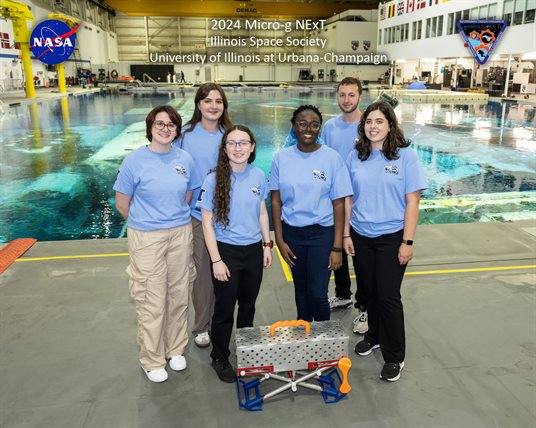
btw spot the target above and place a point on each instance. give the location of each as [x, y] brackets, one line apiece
[68, 345]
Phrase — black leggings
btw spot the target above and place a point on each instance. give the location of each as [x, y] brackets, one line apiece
[245, 265]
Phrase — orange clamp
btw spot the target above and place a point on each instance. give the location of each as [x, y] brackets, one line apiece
[344, 367]
[293, 323]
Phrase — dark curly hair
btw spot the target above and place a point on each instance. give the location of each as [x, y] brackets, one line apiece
[201, 94]
[222, 192]
[395, 138]
[305, 108]
[151, 117]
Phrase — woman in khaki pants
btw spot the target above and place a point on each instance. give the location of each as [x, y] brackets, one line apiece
[153, 189]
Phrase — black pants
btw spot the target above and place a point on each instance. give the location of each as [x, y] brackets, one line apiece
[379, 268]
[343, 284]
[245, 264]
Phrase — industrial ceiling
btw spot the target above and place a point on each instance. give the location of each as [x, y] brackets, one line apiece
[239, 9]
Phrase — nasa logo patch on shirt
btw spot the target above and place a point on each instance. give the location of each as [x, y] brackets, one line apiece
[180, 169]
[391, 169]
[320, 175]
[256, 191]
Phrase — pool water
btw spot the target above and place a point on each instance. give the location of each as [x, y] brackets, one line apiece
[59, 159]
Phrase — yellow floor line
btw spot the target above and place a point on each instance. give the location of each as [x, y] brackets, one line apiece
[288, 274]
[82, 256]
[286, 269]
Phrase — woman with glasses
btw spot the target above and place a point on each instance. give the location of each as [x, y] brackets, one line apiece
[153, 189]
[201, 137]
[308, 183]
[237, 234]
[387, 179]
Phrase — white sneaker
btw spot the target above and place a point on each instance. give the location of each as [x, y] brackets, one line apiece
[202, 339]
[361, 322]
[158, 375]
[338, 302]
[177, 363]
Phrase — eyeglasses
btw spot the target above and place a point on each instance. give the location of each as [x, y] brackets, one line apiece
[233, 144]
[313, 126]
[159, 124]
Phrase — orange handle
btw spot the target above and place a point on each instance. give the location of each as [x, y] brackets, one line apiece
[293, 323]
[344, 367]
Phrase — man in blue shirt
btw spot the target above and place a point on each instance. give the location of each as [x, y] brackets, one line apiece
[416, 84]
[340, 134]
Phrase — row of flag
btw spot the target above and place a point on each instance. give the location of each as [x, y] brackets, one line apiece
[397, 8]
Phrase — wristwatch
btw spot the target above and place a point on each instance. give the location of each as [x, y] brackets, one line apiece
[407, 241]
[269, 244]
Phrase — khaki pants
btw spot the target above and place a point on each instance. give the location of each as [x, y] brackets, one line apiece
[159, 278]
[201, 282]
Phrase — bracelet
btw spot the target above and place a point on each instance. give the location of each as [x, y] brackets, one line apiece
[217, 261]
[344, 237]
[336, 249]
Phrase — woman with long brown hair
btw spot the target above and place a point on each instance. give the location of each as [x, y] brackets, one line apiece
[237, 234]
[201, 138]
[387, 180]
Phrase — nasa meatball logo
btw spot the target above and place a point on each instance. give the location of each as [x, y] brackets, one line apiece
[53, 41]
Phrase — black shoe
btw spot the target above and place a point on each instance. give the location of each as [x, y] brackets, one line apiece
[364, 347]
[224, 370]
[391, 371]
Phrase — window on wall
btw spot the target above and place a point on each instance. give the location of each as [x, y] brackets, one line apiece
[406, 27]
[379, 37]
[492, 11]
[417, 30]
[518, 12]
[508, 10]
[434, 26]
[530, 12]
[473, 14]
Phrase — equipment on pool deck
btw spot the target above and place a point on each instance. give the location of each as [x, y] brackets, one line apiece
[292, 356]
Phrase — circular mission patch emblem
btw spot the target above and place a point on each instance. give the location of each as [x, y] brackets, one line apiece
[53, 41]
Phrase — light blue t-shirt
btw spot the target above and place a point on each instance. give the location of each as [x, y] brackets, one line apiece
[248, 190]
[307, 183]
[380, 188]
[340, 135]
[157, 183]
[203, 146]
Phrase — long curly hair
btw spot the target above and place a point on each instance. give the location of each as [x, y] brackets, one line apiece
[395, 138]
[224, 121]
[222, 192]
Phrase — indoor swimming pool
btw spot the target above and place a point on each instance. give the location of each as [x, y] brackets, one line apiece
[59, 159]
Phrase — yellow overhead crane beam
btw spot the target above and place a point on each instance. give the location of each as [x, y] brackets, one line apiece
[233, 9]
[20, 15]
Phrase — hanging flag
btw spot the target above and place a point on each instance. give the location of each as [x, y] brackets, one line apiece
[410, 6]
[421, 4]
[400, 8]
[382, 13]
[391, 10]
[481, 37]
